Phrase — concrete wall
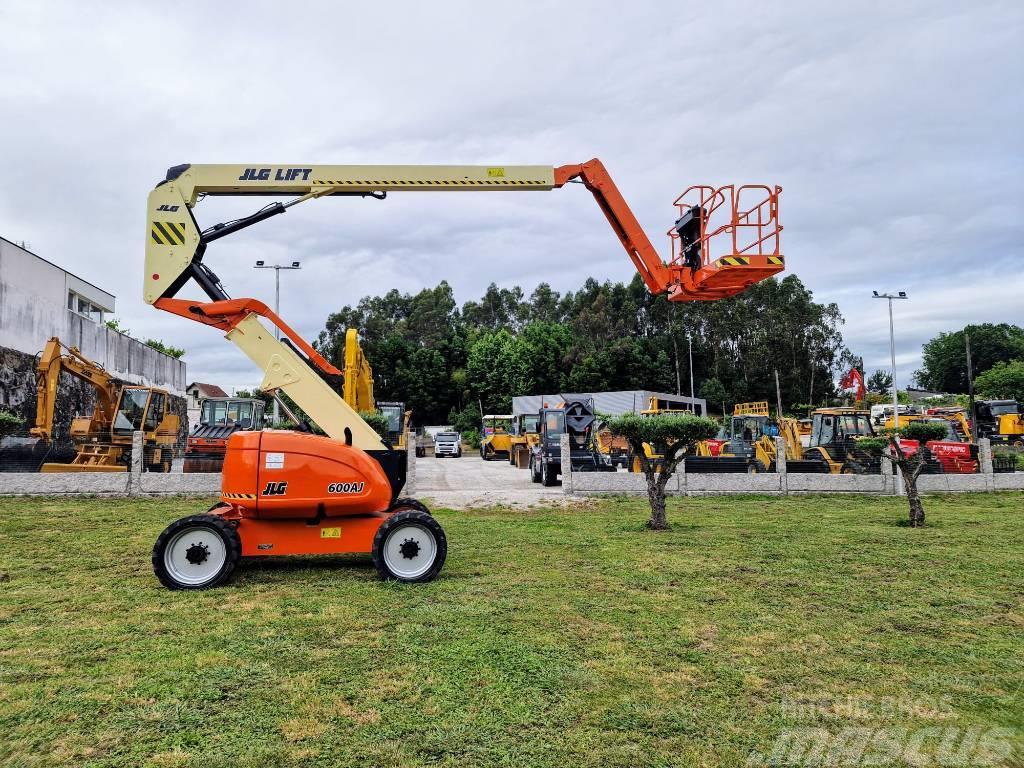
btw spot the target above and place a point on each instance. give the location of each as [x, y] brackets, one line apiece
[781, 482]
[127, 358]
[33, 308]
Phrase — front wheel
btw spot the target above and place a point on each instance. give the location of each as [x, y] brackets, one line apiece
[534, 472]
[547, 477]
[196, 552]
[410, 546]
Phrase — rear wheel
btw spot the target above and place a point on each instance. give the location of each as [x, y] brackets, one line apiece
[408, 501]
[196, 552]
[409, 546]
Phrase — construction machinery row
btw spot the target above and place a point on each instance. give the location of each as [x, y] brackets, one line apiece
[824, 443]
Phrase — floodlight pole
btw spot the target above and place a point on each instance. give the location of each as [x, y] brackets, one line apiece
[277, 305]
[689, 341]
[892, 352]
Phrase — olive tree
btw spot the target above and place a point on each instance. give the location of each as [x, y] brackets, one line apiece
[911, 464]
[671, 436]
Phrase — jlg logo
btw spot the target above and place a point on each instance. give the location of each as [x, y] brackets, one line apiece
[167, 208]
[276, 489]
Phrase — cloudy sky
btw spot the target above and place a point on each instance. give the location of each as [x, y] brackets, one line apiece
[895, 129]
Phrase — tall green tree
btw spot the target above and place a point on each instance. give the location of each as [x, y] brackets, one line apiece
[1003, 381]
[441, 359]
[944, 366]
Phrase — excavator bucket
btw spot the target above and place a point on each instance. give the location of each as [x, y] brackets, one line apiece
[724, 240]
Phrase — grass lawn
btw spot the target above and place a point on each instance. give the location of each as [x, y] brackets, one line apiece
[568, 637]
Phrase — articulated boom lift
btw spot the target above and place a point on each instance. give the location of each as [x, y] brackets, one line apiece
[296, 493]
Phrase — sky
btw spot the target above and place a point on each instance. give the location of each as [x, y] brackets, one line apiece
[895, 130]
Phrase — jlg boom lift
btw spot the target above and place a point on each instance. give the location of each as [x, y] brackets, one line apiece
[289, 493]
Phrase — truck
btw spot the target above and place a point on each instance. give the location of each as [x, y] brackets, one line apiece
[575, 418]
[447, 444]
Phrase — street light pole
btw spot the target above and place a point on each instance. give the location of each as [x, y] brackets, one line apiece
[892, 351]
[689, 342]
[277, 305]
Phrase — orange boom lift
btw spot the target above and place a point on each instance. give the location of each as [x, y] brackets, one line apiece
[293, 492]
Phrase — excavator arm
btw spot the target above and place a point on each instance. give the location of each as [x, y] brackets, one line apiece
[724, 240]
[51, 362]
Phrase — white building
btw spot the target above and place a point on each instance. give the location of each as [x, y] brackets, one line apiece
[613, 403]
[39, 300]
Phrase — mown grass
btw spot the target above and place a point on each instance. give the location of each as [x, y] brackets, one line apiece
[553, 638]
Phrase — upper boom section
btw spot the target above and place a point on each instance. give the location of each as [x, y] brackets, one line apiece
[296, 179]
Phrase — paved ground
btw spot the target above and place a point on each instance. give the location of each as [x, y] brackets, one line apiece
[472, 482]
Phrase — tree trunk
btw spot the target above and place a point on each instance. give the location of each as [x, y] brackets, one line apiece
[910, 468]
[910, 472]
[656, 497]
[656, 482]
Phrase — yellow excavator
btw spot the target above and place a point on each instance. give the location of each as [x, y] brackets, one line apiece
[358, 375]
[358, 392]
[103, 441]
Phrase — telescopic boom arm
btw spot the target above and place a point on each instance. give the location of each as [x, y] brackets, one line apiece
[720, 244]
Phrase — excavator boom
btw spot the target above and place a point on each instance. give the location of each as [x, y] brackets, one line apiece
[51, 363]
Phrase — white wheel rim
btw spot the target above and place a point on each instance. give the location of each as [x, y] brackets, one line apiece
[195, 555]
[410, 551]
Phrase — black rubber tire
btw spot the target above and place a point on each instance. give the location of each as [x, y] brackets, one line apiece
[534, 472]
[408, 501]
[399, 519]
[220, 527]
[547, 479]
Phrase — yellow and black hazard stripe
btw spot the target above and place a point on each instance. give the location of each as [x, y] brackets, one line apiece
[777, 260]
[167, 232]
[734, 261]
[240, 496]
[491, 182]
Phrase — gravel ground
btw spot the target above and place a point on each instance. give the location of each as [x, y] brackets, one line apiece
[472, 482]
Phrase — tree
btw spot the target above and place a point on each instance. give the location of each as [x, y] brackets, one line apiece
[945, 356]
[670, 435]
[9, 423]
[1003, 381]
[497, 368]
[713, 391]
[159, 346]
[910, 460]
[377, 421]
[880, 382]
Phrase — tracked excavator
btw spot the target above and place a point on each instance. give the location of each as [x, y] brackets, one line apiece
[295, 493]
